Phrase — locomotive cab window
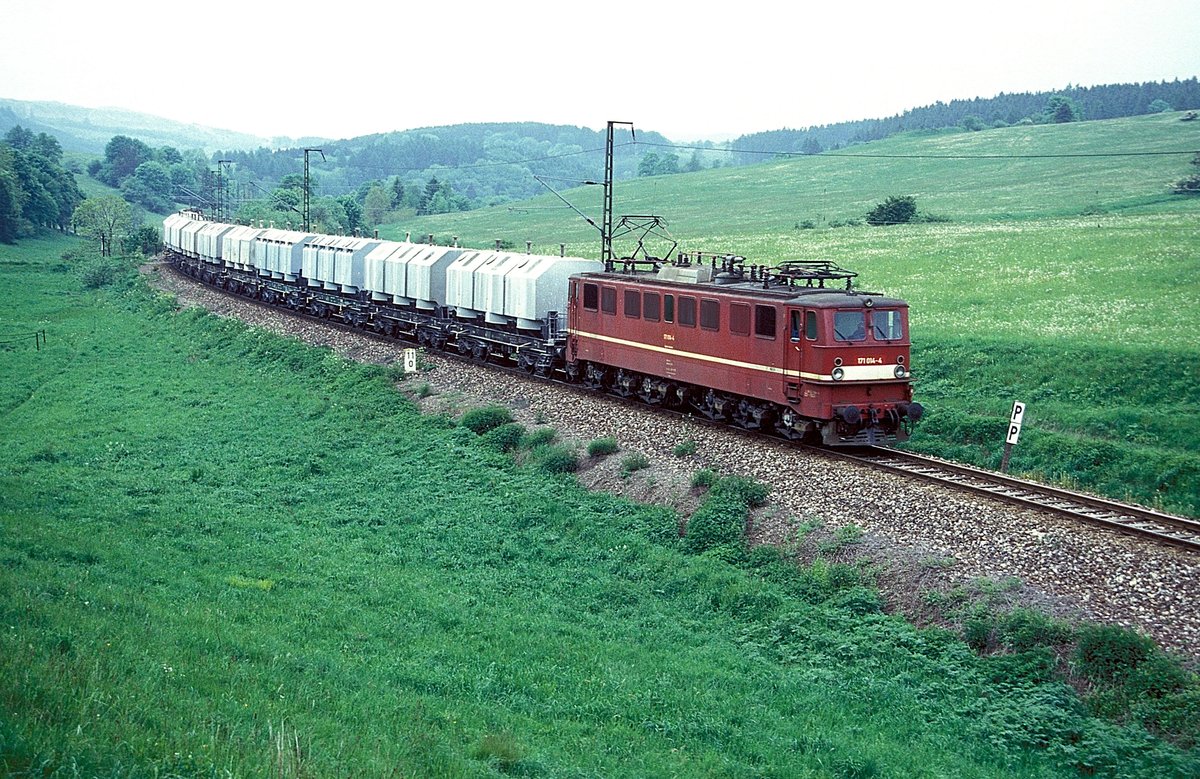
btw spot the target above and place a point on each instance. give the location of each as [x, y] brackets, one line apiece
[591, 297]
[633, 304]
[849, 326]
[885, 325]
[810, 325]
[650, 306]
[608, 300]
[794, 327]
[764, 321]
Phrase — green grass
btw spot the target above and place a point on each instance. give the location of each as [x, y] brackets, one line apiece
[1090, 320]
[754, 210]
[225, 553]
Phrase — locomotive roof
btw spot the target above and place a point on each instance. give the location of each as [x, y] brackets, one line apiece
[813, 297]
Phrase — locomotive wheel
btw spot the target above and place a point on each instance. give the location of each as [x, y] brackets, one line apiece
[751, 416]
[626, 383]
[716, 406]
[654, 392]
[594, 376]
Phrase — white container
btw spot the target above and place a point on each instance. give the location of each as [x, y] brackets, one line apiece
[238, 251]
[386, 270]
[460, 282]
[428, 275]
[209, 241]
[280, 253]
[539, 285]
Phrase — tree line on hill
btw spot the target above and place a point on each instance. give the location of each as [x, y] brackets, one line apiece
[38, 191]
[444, 169]
[361, 182]
[1110, 101]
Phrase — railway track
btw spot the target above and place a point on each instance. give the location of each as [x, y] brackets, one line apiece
[1143, 522]
[1123, 517]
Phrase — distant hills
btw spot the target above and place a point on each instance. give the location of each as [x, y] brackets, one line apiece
[468, 166]
[1108, 101]
[87, 130]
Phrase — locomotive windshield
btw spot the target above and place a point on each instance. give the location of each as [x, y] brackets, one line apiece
[849, 326]
[885, 325]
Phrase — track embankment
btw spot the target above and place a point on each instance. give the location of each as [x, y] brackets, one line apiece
[921, 537]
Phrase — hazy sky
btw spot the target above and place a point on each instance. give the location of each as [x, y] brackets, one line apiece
[689, 70]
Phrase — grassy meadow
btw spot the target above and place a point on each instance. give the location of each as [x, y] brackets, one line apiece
[223, 553]
[1066, 282]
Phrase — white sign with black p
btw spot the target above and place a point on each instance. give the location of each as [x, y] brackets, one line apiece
[1014, 423]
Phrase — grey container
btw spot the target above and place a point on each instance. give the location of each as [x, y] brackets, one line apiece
[279, 253]
[335, 262]
[428, 275]
[210, 241]
[386, 268]
[239, 248]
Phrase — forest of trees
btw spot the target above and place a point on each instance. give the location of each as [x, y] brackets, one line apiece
[441, 169]
[35, 189]
[155, 179]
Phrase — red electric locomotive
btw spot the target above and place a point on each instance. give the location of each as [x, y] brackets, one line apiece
[763, 348]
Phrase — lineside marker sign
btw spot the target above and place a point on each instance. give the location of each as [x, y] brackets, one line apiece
[1014, 433]
[410, 360]
[1014, 424]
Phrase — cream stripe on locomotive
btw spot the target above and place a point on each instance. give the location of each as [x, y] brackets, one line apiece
[850, 372]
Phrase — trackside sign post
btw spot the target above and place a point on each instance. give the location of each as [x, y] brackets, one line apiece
[410, 360]
[1014, 433]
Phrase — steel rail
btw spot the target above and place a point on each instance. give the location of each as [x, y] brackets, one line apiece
[1170, 529]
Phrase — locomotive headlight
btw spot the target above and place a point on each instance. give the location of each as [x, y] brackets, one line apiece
[900, 372]
[838, 374]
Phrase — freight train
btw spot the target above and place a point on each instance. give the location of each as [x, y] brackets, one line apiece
[793, 350]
